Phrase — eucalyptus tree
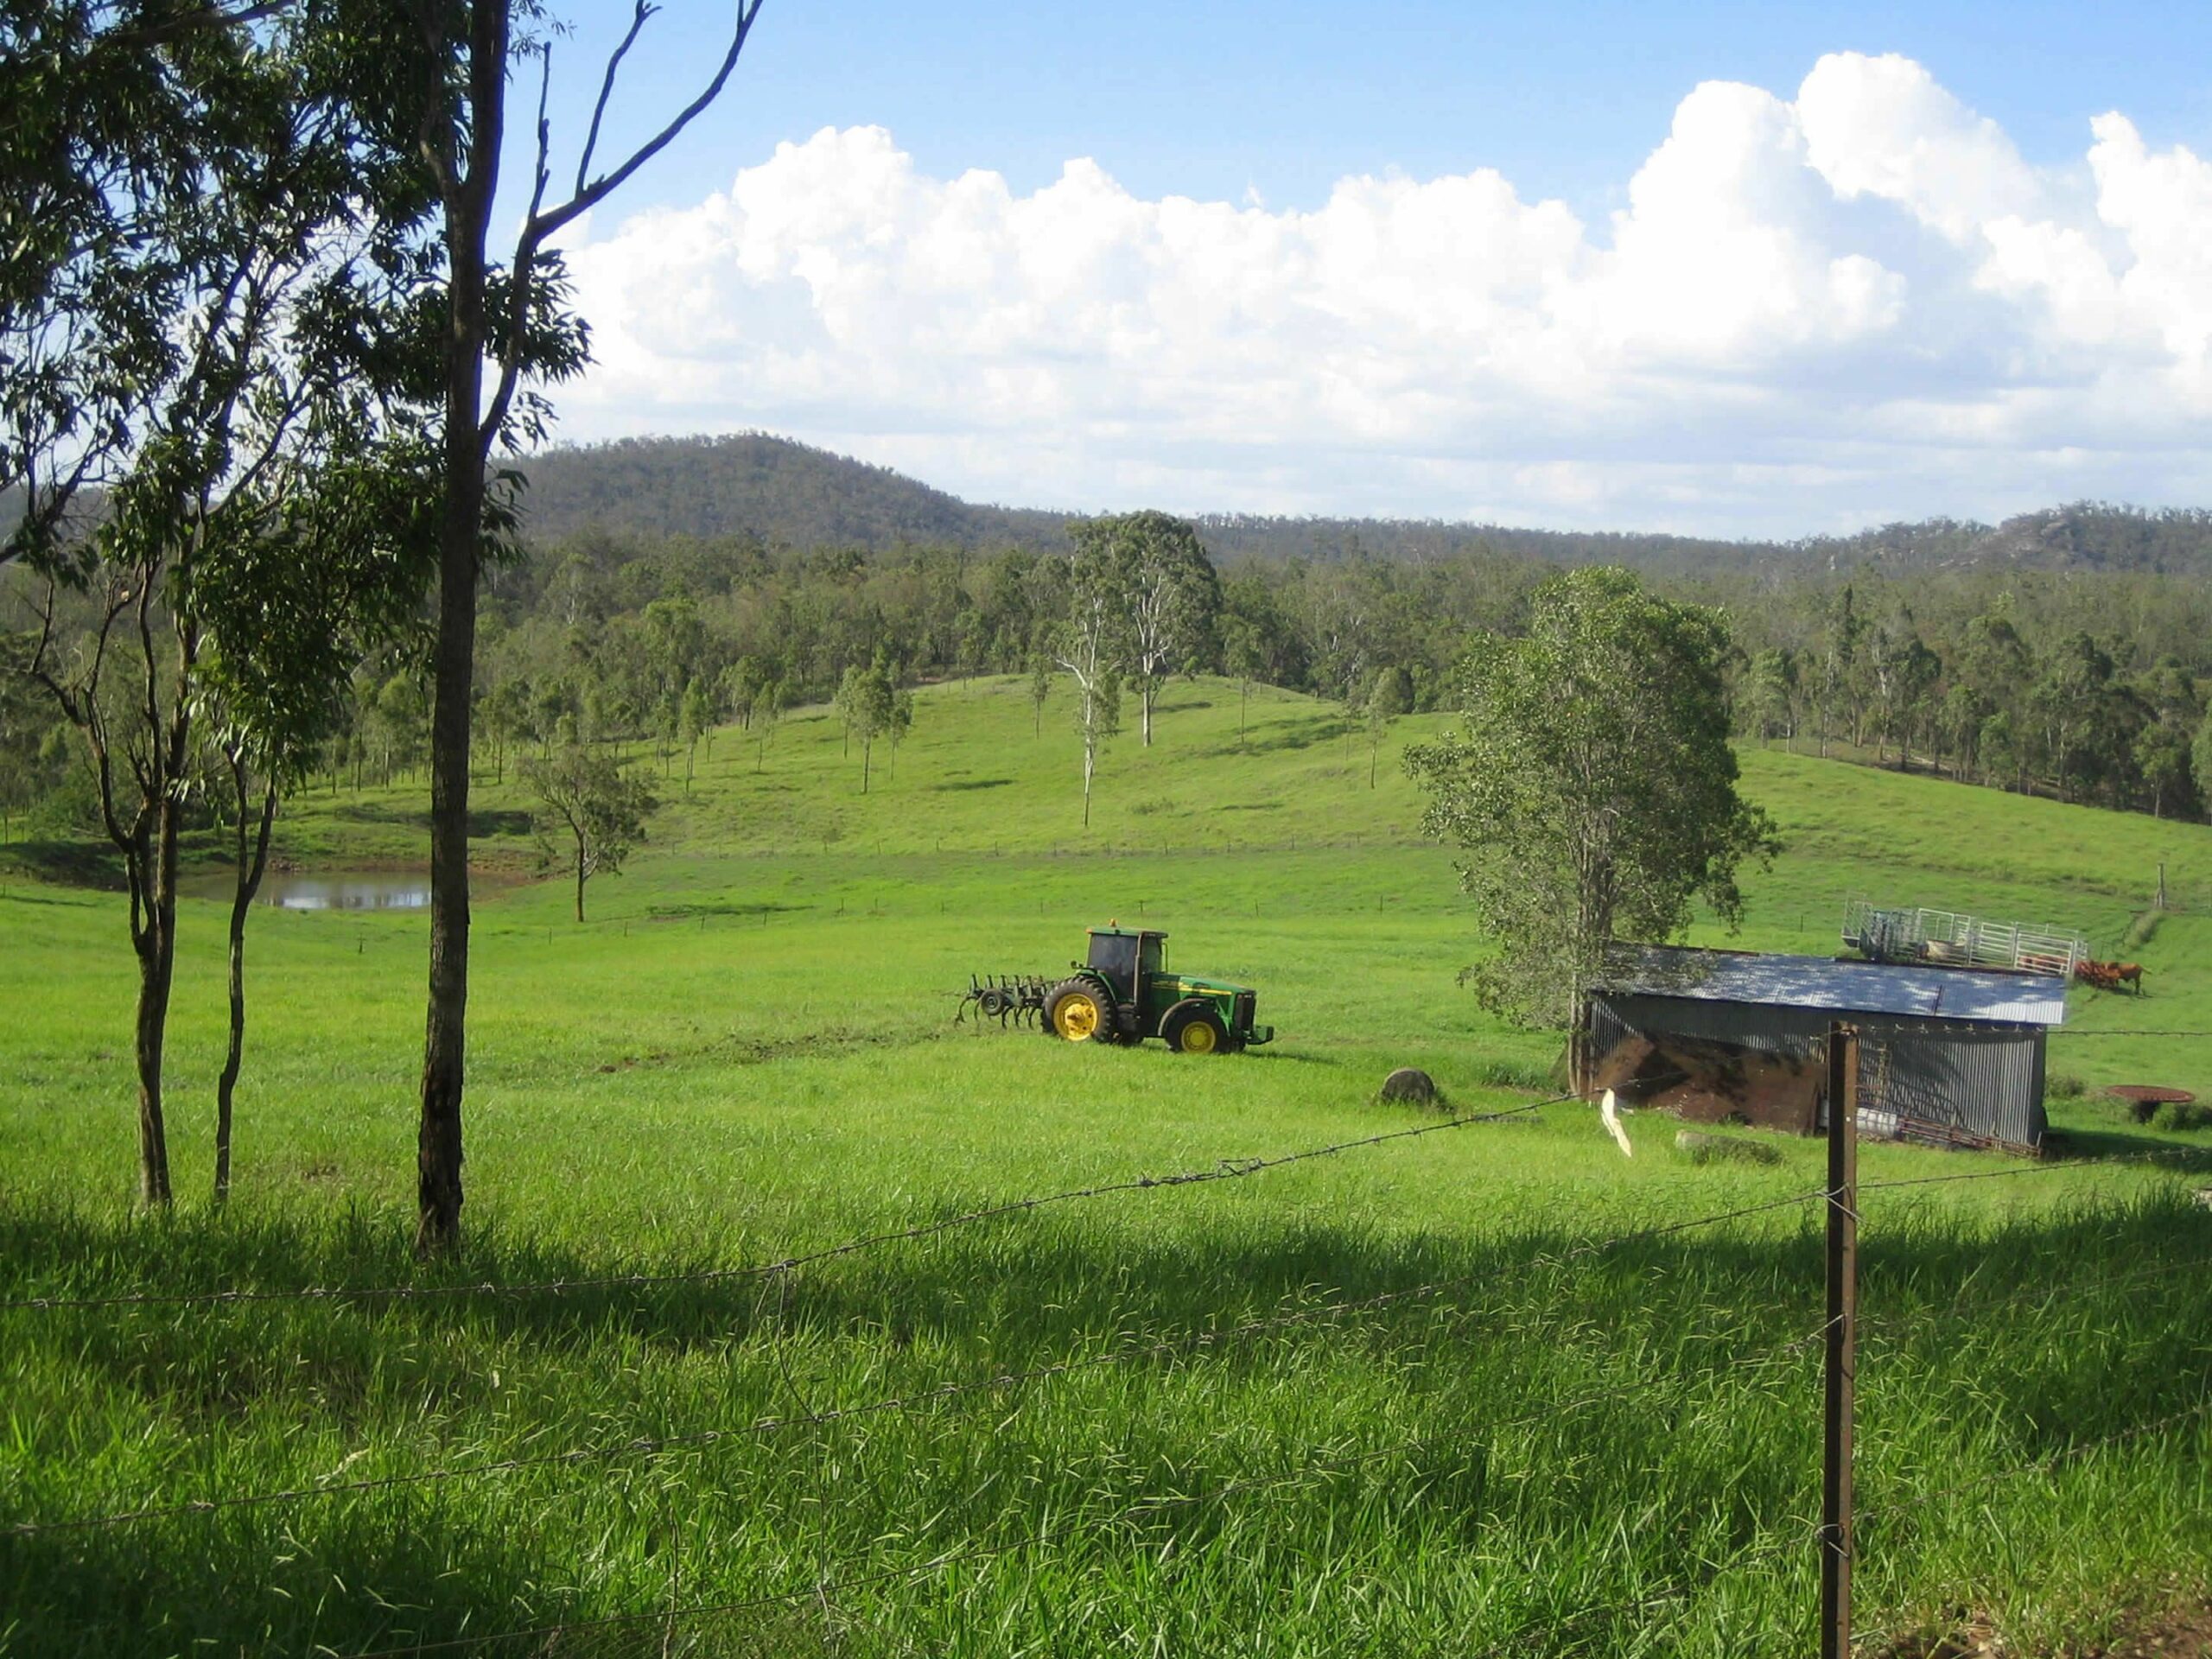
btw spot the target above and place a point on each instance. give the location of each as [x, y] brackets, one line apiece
[1592, 790]
[1088, 647]
[1243, 658]
[1768, 695]
[332, 564]
[1166, 587]
[867, 702]
[767, 708]
[1389, 694]
[261, 299]
[899, 721]
[591, 812]
[1038, 689]
[695, 721]
[109, 134]
[2199, 760]
[502, 328]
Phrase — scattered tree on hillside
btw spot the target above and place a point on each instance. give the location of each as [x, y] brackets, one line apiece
[695, 721]
[1165, 585]
[591, 812]
[899, 722]
[1389, 694]
[768, 710]
[741, 683]
[867, 704]
[1098, 718]
[1090, 638]
[1040, 690]
[1243, 658]
[506, 722]
[1592, 788]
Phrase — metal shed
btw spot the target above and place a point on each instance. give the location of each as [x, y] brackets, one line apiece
[1946, 1055]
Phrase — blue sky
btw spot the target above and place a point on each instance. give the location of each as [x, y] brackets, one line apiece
[1208, 99]
[1894, 322]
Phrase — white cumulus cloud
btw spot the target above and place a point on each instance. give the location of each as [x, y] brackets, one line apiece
[1854, 303]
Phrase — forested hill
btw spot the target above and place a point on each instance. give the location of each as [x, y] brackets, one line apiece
[788, 494]
[791, 495]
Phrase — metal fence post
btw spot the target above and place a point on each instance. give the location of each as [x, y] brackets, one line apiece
[1835, 1536]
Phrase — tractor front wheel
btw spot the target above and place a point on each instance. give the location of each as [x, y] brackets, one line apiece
[1078, 1012]
[1194, 1028]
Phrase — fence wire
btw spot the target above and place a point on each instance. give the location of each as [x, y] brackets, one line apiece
[649, 1448]
[845, 1575]
[1226, 1169]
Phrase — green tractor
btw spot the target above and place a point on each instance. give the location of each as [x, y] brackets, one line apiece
[1124, 994]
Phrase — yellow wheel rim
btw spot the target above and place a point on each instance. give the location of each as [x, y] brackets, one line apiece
[1078, 1018]
[1198, 1037]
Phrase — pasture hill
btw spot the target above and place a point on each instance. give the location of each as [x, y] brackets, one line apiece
[1489, 1388]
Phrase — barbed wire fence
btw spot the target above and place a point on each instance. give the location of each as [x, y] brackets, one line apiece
[675, 1625]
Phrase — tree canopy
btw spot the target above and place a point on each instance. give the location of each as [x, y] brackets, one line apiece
[1592, 791]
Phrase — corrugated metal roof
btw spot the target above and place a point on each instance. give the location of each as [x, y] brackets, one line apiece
[1839, 987]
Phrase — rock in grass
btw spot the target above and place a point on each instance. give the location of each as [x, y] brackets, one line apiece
[1724, 1149]
[1411, 1085]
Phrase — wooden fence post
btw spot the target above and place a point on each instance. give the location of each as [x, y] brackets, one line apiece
[1835, 1535]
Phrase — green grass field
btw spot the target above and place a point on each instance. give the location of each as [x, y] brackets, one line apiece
[1464, 1423]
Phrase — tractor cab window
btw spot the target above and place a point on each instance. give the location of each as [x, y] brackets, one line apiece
[1153, 958]
[1115, 955]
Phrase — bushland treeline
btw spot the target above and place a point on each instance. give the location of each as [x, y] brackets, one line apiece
[2087, 684]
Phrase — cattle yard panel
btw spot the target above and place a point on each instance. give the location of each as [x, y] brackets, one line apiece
[1947, 939]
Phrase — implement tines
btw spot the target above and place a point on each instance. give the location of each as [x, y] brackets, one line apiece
[1018, 998]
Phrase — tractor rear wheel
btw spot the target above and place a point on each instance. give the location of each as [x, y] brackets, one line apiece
[1193, 1028]
[1078, 1012]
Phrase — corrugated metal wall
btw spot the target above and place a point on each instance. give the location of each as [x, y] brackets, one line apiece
[1968, 1081]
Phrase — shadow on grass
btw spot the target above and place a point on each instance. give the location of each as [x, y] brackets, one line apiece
[1959, 1313]
[66, 863]
[965, 784]
[1056, 1271]
[1282, 737]
[482, 825]
[2092, 1142]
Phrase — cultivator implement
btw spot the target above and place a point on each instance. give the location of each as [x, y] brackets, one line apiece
[1015, 998]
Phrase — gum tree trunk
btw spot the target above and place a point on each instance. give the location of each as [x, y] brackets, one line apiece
[154, 936]
[252, 864]
[467, 209]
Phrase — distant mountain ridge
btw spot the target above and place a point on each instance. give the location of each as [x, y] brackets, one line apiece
[792, 494]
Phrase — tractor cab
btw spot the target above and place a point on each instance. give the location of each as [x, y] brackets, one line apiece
[1131, 995]
[1126, 959]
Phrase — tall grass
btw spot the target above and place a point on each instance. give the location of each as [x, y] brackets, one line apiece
[1396, 1401]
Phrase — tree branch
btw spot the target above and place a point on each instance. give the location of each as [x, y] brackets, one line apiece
[543, 223]
[502, 395]
[606, 90]
[186, 22]
[600, 188]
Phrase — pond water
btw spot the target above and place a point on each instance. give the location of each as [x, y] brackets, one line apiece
[325, 889]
